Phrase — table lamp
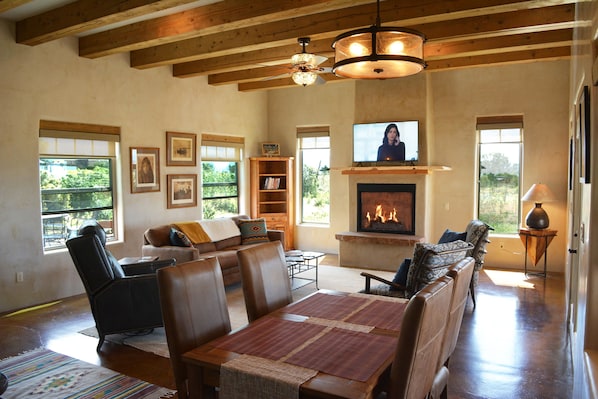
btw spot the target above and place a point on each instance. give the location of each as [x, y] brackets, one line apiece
[537, 218]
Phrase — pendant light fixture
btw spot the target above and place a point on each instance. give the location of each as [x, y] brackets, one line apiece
[378, 52]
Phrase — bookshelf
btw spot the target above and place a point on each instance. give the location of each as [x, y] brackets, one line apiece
[272, 194]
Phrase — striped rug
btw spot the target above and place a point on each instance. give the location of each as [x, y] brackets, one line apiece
[42, 373]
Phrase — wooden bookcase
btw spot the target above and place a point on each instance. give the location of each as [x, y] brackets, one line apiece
[272, 194]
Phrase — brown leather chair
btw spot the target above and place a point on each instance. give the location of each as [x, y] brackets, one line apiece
[461, 273]
[265, 279]
[420, 340]
[195, 311]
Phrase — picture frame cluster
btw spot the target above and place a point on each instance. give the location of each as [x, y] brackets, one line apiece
[181, 150]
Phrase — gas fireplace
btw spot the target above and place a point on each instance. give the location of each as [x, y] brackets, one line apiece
[386, 208]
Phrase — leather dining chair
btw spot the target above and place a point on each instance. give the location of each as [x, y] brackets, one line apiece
[265, 279]
[194, 309]
[461, 273]
[418, 348]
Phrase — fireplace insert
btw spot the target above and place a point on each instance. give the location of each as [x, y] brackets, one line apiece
[386, 208]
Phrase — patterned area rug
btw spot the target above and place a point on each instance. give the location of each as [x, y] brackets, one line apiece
[42, 373]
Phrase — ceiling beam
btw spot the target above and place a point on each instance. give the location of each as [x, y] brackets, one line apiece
[459, 30]
[318, 26]
[84, 15]
[209, 19]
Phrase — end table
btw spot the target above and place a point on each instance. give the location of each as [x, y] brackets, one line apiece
[536, 245]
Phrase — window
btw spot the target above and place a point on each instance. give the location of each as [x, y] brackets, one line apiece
[220, 159]
[499, 169]
[314, 157]
[76, 174]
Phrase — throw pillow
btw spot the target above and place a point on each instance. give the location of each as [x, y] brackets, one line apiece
[253, 231]
[401, 276]
[178, 238]
[450, 236]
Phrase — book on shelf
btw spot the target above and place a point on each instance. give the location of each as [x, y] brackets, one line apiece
[272, 183]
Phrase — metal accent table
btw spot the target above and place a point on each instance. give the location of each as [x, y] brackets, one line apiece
[536, 244]
[299, 262]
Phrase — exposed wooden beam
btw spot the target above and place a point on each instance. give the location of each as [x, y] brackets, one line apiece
[201, 21]
[318, 26]
[6, 5]
[83, 15]
[501, 24]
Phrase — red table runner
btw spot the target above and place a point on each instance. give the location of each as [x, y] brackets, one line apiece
[381, 314]
[325, 306]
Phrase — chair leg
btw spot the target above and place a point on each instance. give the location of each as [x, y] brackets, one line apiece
[102, 338]
[472, 292]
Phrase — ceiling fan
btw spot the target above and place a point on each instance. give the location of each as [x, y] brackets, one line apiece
[305, 67]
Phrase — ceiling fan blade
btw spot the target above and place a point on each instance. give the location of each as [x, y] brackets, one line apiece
[320, 59]
[284, 75]
[326, 70]
[320, 80]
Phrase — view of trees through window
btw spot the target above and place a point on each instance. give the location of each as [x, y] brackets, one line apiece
[220, 189]
[499, 184]
[315, 158]
[74, 190]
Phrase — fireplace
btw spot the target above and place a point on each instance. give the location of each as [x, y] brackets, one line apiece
[386, 208]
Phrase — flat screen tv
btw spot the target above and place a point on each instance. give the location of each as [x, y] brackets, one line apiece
[369, 149]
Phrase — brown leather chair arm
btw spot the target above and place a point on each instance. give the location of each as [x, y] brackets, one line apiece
[369, 277]
[276, 235]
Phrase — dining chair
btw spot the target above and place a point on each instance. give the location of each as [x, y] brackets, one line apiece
[424, 322]
[195, 311]
[265, 279]
[461, 273]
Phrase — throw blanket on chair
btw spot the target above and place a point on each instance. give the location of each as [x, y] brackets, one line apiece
[194, 232]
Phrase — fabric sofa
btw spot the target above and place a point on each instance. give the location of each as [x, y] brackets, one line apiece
[222, 238]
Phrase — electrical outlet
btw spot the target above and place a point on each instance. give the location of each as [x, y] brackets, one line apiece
[19, 277]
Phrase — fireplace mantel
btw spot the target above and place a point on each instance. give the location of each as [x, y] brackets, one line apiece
[393, 170]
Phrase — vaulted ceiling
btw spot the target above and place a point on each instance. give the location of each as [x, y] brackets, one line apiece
[248, 42]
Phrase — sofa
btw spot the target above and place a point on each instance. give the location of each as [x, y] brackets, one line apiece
[221, 237]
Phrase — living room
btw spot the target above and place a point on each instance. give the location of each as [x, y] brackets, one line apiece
[51, 82]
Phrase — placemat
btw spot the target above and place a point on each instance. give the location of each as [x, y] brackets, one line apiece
[381, 314]
[357, 358]
[269, 337]
[325, 306]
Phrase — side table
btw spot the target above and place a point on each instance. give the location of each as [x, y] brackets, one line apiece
[536, 244]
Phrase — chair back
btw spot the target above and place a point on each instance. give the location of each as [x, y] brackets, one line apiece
[424, 321]
[461, 273]
[91, 261]
[194, 309]
[265, 279]
[477, 234]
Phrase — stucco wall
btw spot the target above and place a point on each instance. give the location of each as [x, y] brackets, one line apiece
[52, 82]
[447, 105]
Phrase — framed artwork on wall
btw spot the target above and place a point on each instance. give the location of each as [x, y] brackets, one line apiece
[584, 136]
[182, 191]
[145, 169]
[181, 149]
[270, 149]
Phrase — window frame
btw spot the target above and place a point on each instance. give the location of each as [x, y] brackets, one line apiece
[500, 123]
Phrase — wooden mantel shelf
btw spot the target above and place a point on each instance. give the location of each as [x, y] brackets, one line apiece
[393, 170]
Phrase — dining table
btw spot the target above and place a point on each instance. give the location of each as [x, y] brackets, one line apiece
[330, 344]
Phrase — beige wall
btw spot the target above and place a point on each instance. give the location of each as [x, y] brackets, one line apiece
[447, 105]
[52, 82]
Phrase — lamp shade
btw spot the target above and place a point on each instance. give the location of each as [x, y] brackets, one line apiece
[537, 218]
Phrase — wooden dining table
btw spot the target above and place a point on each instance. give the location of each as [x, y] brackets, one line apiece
[328, 345]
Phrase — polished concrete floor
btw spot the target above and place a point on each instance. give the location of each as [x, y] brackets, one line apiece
[513, 345]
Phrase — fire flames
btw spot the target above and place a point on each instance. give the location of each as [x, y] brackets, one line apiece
[380, 217]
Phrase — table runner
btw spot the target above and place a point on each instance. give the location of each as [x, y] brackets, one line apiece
[250, 377]
[381, 314]
[325, 306]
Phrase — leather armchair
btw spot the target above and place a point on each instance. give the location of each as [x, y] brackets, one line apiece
[120, 301]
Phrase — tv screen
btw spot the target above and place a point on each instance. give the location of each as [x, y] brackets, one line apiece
[372, 145]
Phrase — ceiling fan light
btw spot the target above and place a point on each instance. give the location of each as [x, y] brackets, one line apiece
[304, 59]
[304, 78]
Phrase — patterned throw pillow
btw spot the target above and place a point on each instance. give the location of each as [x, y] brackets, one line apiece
[253, 231]
[178, 238]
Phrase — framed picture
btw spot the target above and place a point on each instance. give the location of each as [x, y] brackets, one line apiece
[270, 149]
[181, 149]
[584, 136]
[145, 169]
[182, 191]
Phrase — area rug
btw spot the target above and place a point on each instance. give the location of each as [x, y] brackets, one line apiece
[42, 373]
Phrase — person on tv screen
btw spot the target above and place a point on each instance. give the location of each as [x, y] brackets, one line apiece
[392, 148]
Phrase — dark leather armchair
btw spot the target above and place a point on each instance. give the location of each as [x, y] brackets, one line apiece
[121, 299]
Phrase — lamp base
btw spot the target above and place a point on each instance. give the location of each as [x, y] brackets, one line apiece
[537, 218]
